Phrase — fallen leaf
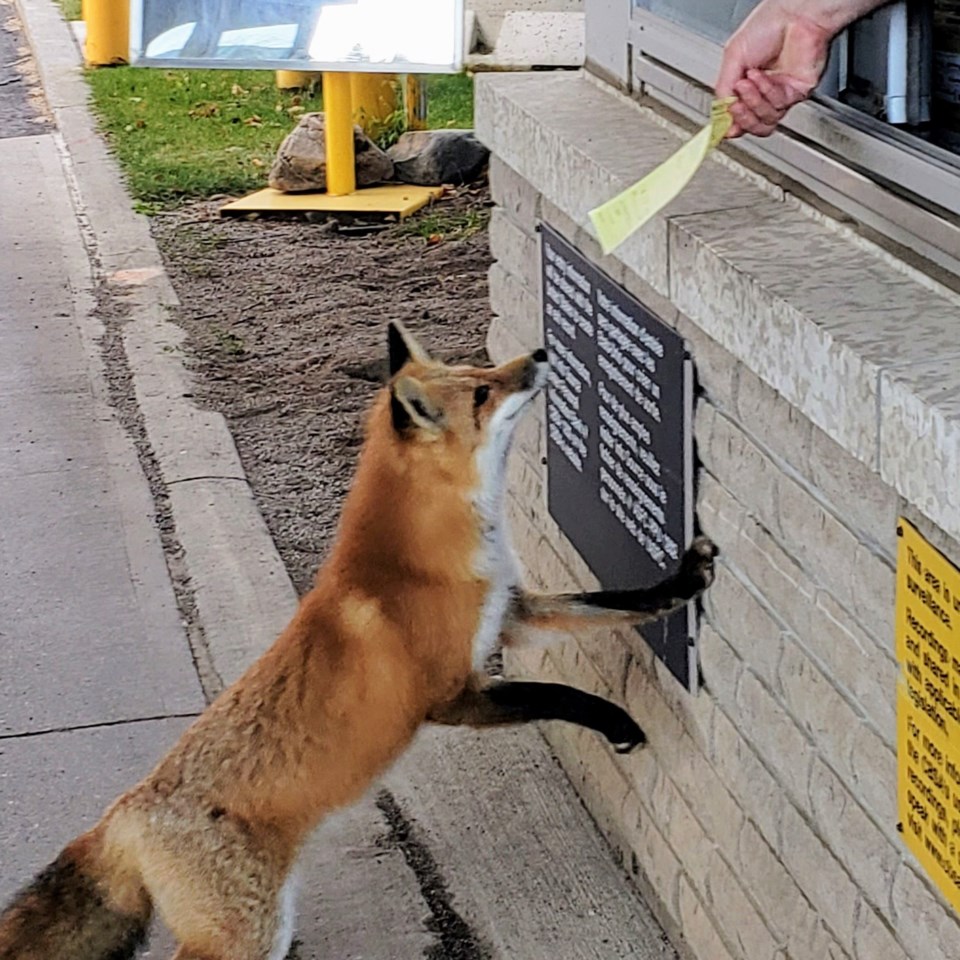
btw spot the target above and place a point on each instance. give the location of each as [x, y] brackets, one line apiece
[205, 109]
[238, 91]
[254, 121]
[257, 162]
[435, 238]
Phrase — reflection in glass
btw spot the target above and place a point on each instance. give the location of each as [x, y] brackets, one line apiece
[344, 34]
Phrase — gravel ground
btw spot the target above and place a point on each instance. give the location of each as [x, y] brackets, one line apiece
[287, 333]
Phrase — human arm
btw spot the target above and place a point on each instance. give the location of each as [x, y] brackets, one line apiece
[776, 56]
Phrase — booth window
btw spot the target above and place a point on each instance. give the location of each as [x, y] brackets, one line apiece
[884, 121]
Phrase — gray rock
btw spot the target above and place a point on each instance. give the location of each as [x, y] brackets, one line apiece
[435, 157]
[301, 163]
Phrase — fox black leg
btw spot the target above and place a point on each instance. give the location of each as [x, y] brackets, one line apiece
[501, 702]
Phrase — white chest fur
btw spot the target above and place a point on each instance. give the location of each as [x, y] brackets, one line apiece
[495, 562]
[286, 917]
[497, 565]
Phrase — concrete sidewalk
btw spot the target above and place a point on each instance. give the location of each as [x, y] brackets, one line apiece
[95, 670]
[137, 577]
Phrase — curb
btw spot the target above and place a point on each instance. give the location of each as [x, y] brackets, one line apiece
[238, 585]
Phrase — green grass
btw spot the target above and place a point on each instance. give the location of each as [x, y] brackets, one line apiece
[450, 101]
[70, 9]
[194, 133]
[438, 224]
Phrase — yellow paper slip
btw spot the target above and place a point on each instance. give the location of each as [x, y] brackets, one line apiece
[616, 219]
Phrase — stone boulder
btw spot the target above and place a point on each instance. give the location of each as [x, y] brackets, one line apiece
[301, 163]
[434, 157]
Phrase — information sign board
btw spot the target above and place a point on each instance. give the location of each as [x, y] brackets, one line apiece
[619, 444]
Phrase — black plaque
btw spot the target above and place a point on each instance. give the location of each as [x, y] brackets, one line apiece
[619, 443]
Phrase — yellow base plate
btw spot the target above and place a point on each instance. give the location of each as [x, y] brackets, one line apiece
[398, 199]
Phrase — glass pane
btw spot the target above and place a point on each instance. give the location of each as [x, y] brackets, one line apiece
[715, 20]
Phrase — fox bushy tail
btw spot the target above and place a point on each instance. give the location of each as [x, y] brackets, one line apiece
[64, 914]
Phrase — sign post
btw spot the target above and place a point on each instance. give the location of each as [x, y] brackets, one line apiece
[338, 109]
[107, 39]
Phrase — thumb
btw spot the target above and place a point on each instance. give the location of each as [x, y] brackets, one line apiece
[733, 67]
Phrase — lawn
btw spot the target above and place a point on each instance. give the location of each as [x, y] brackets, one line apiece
[450, 101]
[193, 133]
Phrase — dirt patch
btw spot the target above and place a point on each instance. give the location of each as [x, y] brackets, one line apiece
[22, 109]
[287, 333]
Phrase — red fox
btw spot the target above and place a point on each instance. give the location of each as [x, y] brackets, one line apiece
[419, 589]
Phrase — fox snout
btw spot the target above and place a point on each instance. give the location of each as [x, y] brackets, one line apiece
[535, 373]
[526, 374]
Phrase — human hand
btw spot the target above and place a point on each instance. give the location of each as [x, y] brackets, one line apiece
[773, 61]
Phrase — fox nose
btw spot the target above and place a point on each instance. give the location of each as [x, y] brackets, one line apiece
[539, 356]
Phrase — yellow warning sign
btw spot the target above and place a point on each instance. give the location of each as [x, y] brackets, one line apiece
[928, 707]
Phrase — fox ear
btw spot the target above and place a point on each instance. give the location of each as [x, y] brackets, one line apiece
[403, 346]
[410, 407]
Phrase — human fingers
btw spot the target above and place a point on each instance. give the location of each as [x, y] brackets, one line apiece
[780, 89]
[734, 131]
[774, 93]
[746, 121]
[750, 96]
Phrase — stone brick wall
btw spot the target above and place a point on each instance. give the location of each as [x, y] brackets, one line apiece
[490, 13]
[761, 821]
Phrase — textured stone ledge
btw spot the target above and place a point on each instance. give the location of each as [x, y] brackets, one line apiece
[868, 351]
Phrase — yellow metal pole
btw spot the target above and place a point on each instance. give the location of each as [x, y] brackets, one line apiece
[108, 32]
[415, 103]
[374, 98]
[295, 79]
[338, 112]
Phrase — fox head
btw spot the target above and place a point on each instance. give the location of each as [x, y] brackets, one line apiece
[430, 483]
[472, 408]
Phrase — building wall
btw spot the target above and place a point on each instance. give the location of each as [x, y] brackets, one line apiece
[761, 820]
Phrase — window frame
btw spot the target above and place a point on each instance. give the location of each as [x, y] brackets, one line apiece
[842, 155]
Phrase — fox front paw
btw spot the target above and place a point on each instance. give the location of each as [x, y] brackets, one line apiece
[696, 568]
[627, 735]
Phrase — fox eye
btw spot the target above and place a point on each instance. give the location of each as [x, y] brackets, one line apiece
[480, 396]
